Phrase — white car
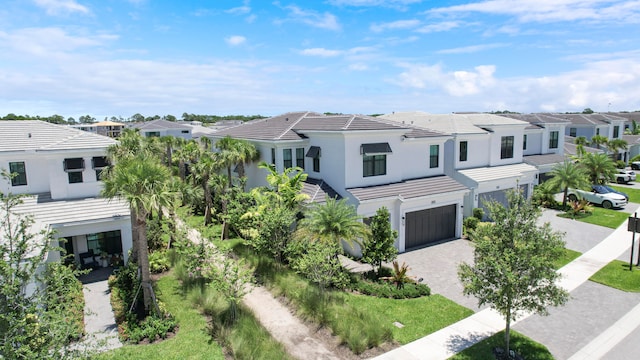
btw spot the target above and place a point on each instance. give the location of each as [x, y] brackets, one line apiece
[600, 195]
[630, 173]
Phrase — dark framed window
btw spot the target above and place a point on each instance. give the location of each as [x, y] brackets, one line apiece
[287, 159]
[374, 165]
[553, 140]
[109, 242]
[75, 177]
[314, 153]
[273, 156]
[184, 131]
[99, 163]
[434, 155]
[524, 142]
[616, 132]
[506, 147]
[316, 164]
[463, 150]
[19, 173]
[572, 132]
[153, 134]
[300, 157]
[597, 131]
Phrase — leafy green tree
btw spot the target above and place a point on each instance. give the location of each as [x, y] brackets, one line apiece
[286, 186]
[380, 246]
[333, 222]
[317, 262]
[580, 142]
[567, 175]
[513, 268]
[232, 279]
[143, 182]
[599, 167]
[615, 145]
[587, 111]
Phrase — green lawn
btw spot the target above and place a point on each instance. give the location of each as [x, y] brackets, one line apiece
[192, 340]
[567, 257]
[524, 346]
[599, 216]
[634, 194]
[420, 317]
[616, 274]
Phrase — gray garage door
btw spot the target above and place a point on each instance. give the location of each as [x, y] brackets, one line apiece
[430, 225]
[499, 196]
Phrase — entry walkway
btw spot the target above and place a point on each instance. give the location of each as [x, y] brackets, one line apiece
[483, 324]
[100, 324]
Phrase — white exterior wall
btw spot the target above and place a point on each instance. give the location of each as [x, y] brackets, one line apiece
[547, 135]
[168, 132]
[535, 139]
[477, 153]
[495, 145]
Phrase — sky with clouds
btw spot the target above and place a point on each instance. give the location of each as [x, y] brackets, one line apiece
[159, 57]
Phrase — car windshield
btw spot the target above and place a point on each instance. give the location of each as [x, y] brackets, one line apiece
[602, 189]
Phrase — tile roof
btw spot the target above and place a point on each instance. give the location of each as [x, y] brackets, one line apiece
[73, 211]
[35, 135]
[491, 173]
[159, 125]
[468, 123]
[570, 148]
[546, 159]
[588, 119]
[317, 190]
[540, 118]
[293, 125]
[408, 189]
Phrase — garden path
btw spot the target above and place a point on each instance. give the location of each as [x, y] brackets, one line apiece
[283, 326]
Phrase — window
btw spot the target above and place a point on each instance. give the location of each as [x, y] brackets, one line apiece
[153, 134]
[572, 132]
[616, 132]
[553, 140]
[273, 156]
[524, 142]
[597, 131]
[184, 131]
[506, 147]
[300, 157]
[374, 165]
[434, 154]
[109, 242]
[99, 163]
[19, 172]
[286, 156]
[314, 153]
[74, 168]
[463, 150]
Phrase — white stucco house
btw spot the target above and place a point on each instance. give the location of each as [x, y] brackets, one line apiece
[371, 162]
[484, 152]
[158, 128]
[59, 167]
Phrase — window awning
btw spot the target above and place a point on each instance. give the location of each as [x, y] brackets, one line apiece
[100, 162]
[377, 148]
[74, 164]
[314, 152]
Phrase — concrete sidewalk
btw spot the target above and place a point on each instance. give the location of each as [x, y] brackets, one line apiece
[461, 335]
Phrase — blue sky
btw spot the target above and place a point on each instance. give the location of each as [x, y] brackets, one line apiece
[121, 57]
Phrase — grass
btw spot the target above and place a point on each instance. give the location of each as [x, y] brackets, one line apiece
[599, 216]
[567, 257]
[420, 316]
[616, 274]
[192, 340]
[524, 346]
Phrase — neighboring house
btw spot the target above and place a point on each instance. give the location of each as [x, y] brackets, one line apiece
[59, 168]
[633, 142]
[106, 128]
[158, 128]
[484, 152]
[543, 143]
[369, 161]
[588, 125]
[197, 130]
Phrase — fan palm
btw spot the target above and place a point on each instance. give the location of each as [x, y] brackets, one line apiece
[599, 167]
[568, 175]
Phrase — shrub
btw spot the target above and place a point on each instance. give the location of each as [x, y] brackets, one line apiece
[152, 328]
[469, 225]
[387, 290]
[65, 299]
[478, 213]
[620, 164]
[159, 261]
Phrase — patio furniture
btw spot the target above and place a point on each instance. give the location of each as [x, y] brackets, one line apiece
[88, 260]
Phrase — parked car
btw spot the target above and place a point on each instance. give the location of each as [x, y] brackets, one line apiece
[600, 195]
[630, 173]
[635, 165]
[622, 177]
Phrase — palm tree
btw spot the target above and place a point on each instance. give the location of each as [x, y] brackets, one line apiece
[142, 181]
[169, 142]
[236, 152]
[206, 166]
[580, 142]
[332, 222]
[568, 175]
[615, 145]
[598, 140]
[599, 167]
[287, 185]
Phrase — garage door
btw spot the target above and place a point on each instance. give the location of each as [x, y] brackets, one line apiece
[430, 225]
[499, 196]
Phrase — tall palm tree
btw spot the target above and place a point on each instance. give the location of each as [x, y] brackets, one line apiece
[236, 152]
[287, 185]
[568, 175]
[206, 166]
[598, 140]
[169, 142]
[580, 142]
[142, 181]
[333, 222]
[599, 167]
[615, 145]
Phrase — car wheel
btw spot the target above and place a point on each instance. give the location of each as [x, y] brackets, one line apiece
[572, 197]
[620, 180]
[607, 204]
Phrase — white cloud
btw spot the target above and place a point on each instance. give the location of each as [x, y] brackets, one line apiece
[438, 27]
[48, 42]
[57, 7]
[456, 83]
[321, 52]
[395, 25]
[552, 10]
[471, 49]
[235, 40]
[312, 18]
